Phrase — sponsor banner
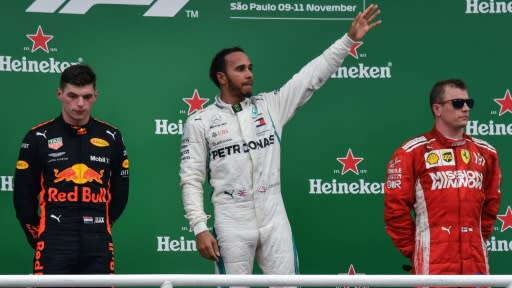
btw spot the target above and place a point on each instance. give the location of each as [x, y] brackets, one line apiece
[497, 126]
[51, 65]
[36, 59]
[166, 127]
[79, 173]
[334, 186]
[6, 183]
[79, 194]
[441, 157]
[476, 128]
[181, 241]
[363, 71]
[166, 243]
[488, 7]
[175, 127]
[242, 148]
[456, 179]
[361, 187]
[499, 245]
[500, 241]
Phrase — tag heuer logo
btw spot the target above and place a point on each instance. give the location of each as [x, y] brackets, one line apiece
[55, 143]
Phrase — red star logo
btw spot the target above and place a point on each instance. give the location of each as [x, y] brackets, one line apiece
[353, 49]
[351, 271]
[195, 103]
[40, 40]
[349, 162]
[506, 219]
[505, 103]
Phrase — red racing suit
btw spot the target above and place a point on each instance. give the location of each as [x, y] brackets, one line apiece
[453, 188]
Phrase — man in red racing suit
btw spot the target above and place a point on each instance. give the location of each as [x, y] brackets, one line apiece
[451, 182]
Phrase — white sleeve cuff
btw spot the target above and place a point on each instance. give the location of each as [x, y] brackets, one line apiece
[200, 227]
[347, 42]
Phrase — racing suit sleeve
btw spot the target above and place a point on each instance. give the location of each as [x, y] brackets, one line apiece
[399, 200]
[27, 185]
[492, 194]
[193, 172]
[294, 93]
[119, 179]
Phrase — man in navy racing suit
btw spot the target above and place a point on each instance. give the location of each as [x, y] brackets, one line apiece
[71, 183]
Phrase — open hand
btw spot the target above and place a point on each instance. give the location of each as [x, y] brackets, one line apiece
[363, 22]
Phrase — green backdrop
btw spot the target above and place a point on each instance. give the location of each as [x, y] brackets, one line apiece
[152, 56]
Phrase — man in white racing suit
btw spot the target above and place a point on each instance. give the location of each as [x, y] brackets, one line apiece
[236, 142]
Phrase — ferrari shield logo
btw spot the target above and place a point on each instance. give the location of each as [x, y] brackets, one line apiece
[466, 156]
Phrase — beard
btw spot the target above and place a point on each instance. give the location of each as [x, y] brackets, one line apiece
[238, 90]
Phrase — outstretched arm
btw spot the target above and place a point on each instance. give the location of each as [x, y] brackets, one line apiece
[364, 22]
[298, 90]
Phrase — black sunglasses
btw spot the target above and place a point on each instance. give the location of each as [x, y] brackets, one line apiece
[459, 103]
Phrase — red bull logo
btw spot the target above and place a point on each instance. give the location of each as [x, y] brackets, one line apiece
[38, 267]
[84, 195]
[111, 264]
[79, 174]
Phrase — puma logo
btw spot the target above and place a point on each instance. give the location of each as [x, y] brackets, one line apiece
[41, 134]
[113, 134]
[394, 162]
[447, 229]
[55, 217]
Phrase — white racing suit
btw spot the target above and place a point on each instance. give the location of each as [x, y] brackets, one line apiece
[240, 152]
